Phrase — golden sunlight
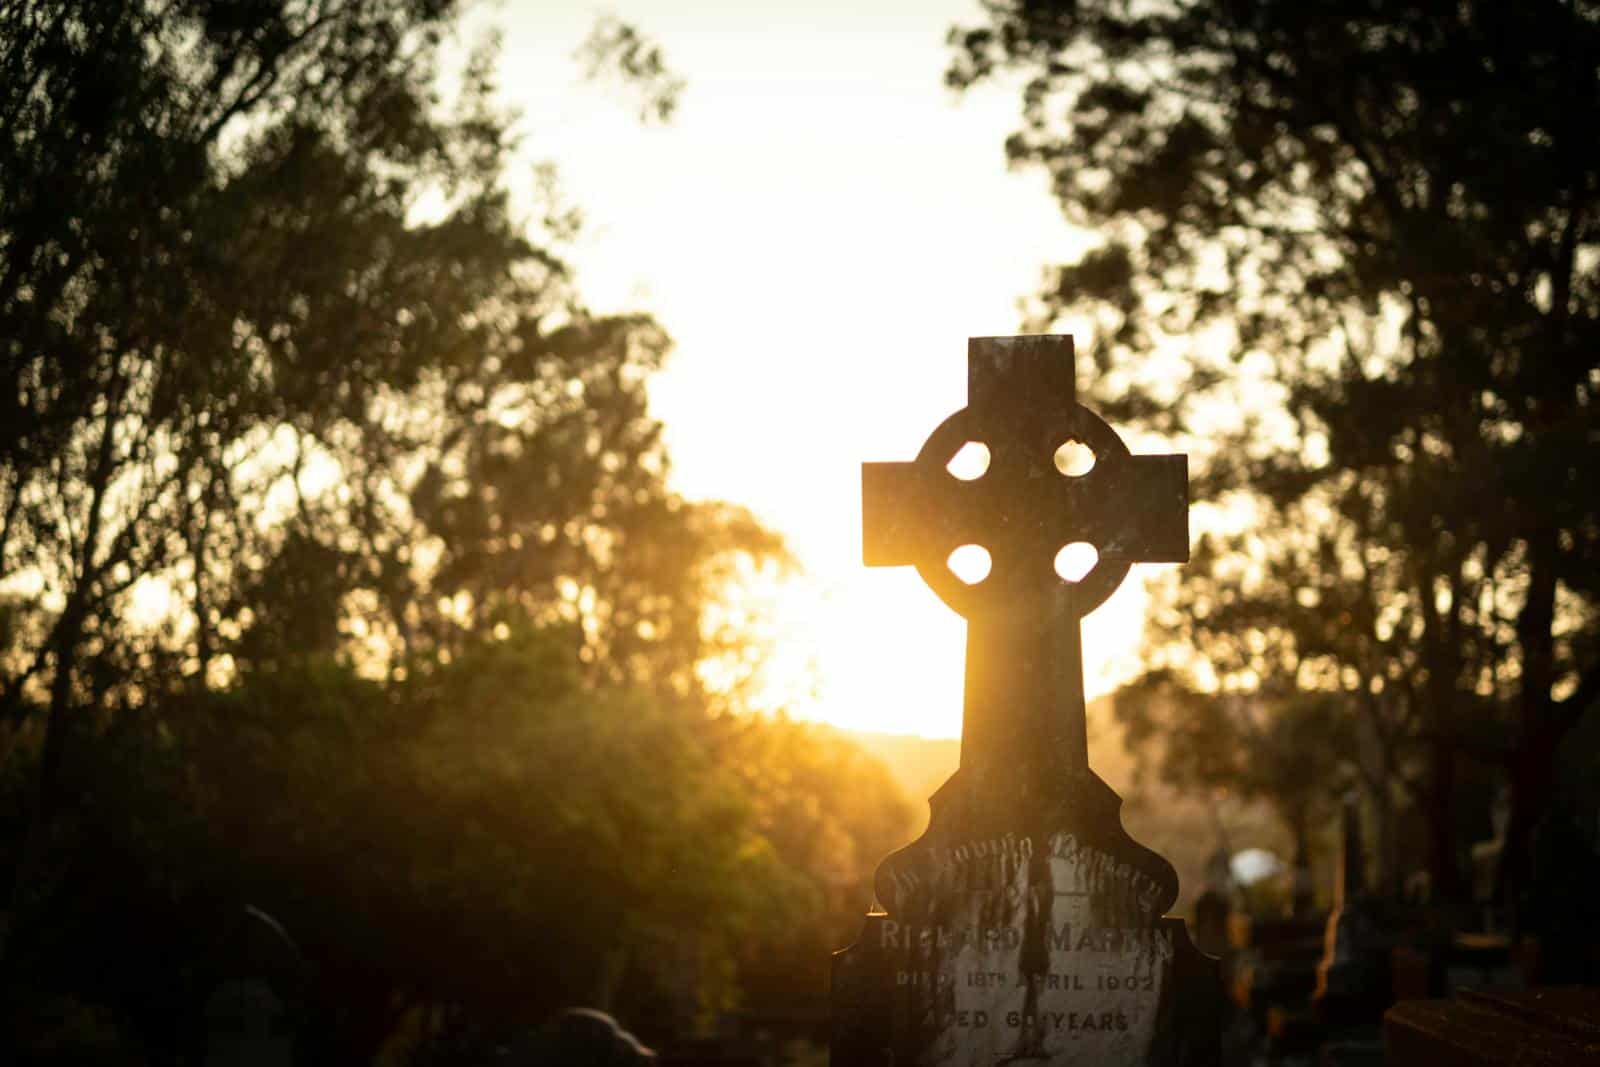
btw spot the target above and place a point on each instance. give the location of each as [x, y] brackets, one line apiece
[878, 259]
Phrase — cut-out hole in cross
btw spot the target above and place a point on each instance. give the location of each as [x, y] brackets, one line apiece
[1074, 459]
[1076, 560]
[970, 461]
[970, 563]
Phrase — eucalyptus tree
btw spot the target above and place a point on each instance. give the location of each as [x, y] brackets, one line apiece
[1368, 238]
[286, 372]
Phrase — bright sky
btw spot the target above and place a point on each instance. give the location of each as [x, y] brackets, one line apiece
[821, 227]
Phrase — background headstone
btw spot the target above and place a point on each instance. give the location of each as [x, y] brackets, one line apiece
[1214, 907]
[253, 1011]
[1353, 981]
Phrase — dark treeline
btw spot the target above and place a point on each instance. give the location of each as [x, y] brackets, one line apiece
[1362, 243]
[341, 579]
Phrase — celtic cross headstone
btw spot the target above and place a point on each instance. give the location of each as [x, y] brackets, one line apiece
[1025, 925]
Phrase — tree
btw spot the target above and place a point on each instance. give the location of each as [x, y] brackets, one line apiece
[830, 812]
[286, 374]
[463, 851]
[1385, 221]
[1273, 644]
[1291, 749]
[523, 840]
[131, 295]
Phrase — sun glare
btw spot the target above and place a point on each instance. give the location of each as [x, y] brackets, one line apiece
[820, 303]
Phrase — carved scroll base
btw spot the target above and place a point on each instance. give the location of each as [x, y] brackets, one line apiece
[1025, 926]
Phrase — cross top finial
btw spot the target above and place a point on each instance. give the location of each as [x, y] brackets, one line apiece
[1024, 509]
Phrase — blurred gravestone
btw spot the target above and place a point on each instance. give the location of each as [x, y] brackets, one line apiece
[1214, 906]
[1485, 859]
[253, 1011]
[1353, 977]
[1025, 925]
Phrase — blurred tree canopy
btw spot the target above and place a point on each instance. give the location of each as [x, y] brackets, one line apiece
[615, 50]
[1291, 750]
[1353, 252]
[338, 568]
[479, 844]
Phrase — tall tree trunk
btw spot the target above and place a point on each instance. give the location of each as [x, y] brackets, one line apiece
[1443, 861]
[1538, 731]
[47, 784]
[1302, 893]
[1442, 652]
[1387, 881]
[67, 640]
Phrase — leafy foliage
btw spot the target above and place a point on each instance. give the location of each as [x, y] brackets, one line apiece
[341, 573]
[283, 364]
[830, 812]
[614, 49]
[489, 840]
[1362, 245]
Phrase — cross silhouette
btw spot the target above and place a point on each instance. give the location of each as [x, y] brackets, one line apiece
[1024, 684]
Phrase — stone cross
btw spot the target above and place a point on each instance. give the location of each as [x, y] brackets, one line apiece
[1024, 683]
[1025, 925]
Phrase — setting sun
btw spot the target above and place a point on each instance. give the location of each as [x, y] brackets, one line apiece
[820, 251]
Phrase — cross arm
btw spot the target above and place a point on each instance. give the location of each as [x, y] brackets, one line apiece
[914, 513]
[1144, 517]
[894, 513]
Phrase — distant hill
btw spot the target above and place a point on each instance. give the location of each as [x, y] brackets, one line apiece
[921, 764]
[1183, 828]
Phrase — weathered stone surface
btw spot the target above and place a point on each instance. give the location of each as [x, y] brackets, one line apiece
[1025, 925]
